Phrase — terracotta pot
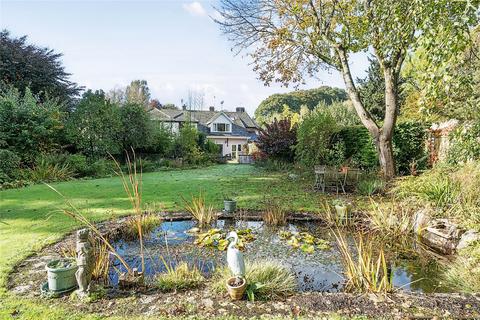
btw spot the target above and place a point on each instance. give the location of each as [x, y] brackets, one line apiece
[236, 293]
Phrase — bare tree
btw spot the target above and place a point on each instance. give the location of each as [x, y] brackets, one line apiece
[291, 39]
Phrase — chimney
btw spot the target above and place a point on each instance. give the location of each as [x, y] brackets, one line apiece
[240, 109]
[212, 108]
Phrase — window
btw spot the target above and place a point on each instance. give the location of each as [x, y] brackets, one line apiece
[221, 127]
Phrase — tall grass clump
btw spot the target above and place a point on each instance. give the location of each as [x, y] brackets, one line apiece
[451, 190]
[274, 214]
[272, 279]
[366, 270]
[132, 184]
[47, 171]
[370, 186]
[464, 273]
[148, 221]
[179, 277]
[199, 210]
[390, 218]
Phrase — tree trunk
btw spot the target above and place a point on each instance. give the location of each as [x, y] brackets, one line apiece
[385, 156]
[382, 136]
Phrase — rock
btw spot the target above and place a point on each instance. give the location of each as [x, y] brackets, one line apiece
[420, 220]
[467, 238]
[208, 303]
[442, 235]
[293, 176]
[193, 230]
[21, 289]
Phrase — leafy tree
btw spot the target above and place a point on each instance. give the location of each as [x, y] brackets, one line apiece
[40, 69]
[445, 91]
[138, 92]
[161, 140]
[290, 40]
[95, 125]
[117, 95]
[278, 139]
[187, 144]
[29, 126]
[136, 129]
[275, 103]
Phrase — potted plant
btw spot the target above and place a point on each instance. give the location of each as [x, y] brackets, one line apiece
[236, 287]
[61, 275]
[229, 204]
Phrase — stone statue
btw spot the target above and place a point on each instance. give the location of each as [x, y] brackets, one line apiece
[85, 261]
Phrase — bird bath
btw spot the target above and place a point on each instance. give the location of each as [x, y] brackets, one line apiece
[318, 271]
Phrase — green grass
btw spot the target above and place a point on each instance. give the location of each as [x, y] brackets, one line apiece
[33, 218]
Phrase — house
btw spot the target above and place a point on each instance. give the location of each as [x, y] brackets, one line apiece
[234, 132]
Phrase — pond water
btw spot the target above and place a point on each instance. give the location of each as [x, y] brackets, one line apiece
[413, 268]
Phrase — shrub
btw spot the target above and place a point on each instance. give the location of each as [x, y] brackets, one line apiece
[180, 277]
[359, 147]
[278, 139]
[78, 164]
[464, 144]
[9, 166]
[273, 280]
[315, 135]
[29, 126]
[102, 168]
[409, 146]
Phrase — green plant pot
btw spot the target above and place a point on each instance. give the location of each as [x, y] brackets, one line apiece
[342, 212]
[230, 205]
[61, 278]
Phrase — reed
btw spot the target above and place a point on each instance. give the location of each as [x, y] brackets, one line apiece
[390, 219]
[366, 270]
[275, 214]
[199, 210]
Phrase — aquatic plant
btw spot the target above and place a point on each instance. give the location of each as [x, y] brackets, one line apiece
[216, 238]
[199, 210]
[274, 214]
[304, 241]
[148, 221]
[101, 257]
[364, 272]
[390, 219]
[267, 279]
[179, 277]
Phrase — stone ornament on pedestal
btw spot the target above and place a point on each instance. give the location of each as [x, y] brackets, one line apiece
[85, 262]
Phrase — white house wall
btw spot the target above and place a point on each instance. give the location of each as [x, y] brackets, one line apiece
[227, 143]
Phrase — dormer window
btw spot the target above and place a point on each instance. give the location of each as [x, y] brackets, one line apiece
[221, 127]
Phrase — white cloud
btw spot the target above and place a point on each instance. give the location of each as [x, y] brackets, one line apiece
[195, 8]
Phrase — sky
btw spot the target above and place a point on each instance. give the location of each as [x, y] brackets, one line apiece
[173, 44]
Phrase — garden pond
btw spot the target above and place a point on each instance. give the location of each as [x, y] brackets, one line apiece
[317, 268]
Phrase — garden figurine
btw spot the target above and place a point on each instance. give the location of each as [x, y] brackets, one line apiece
[237, 284]
[85, 262]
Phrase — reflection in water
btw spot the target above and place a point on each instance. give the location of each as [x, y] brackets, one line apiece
[319, 271]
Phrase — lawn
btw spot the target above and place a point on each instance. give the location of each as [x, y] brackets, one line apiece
[33, 218]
